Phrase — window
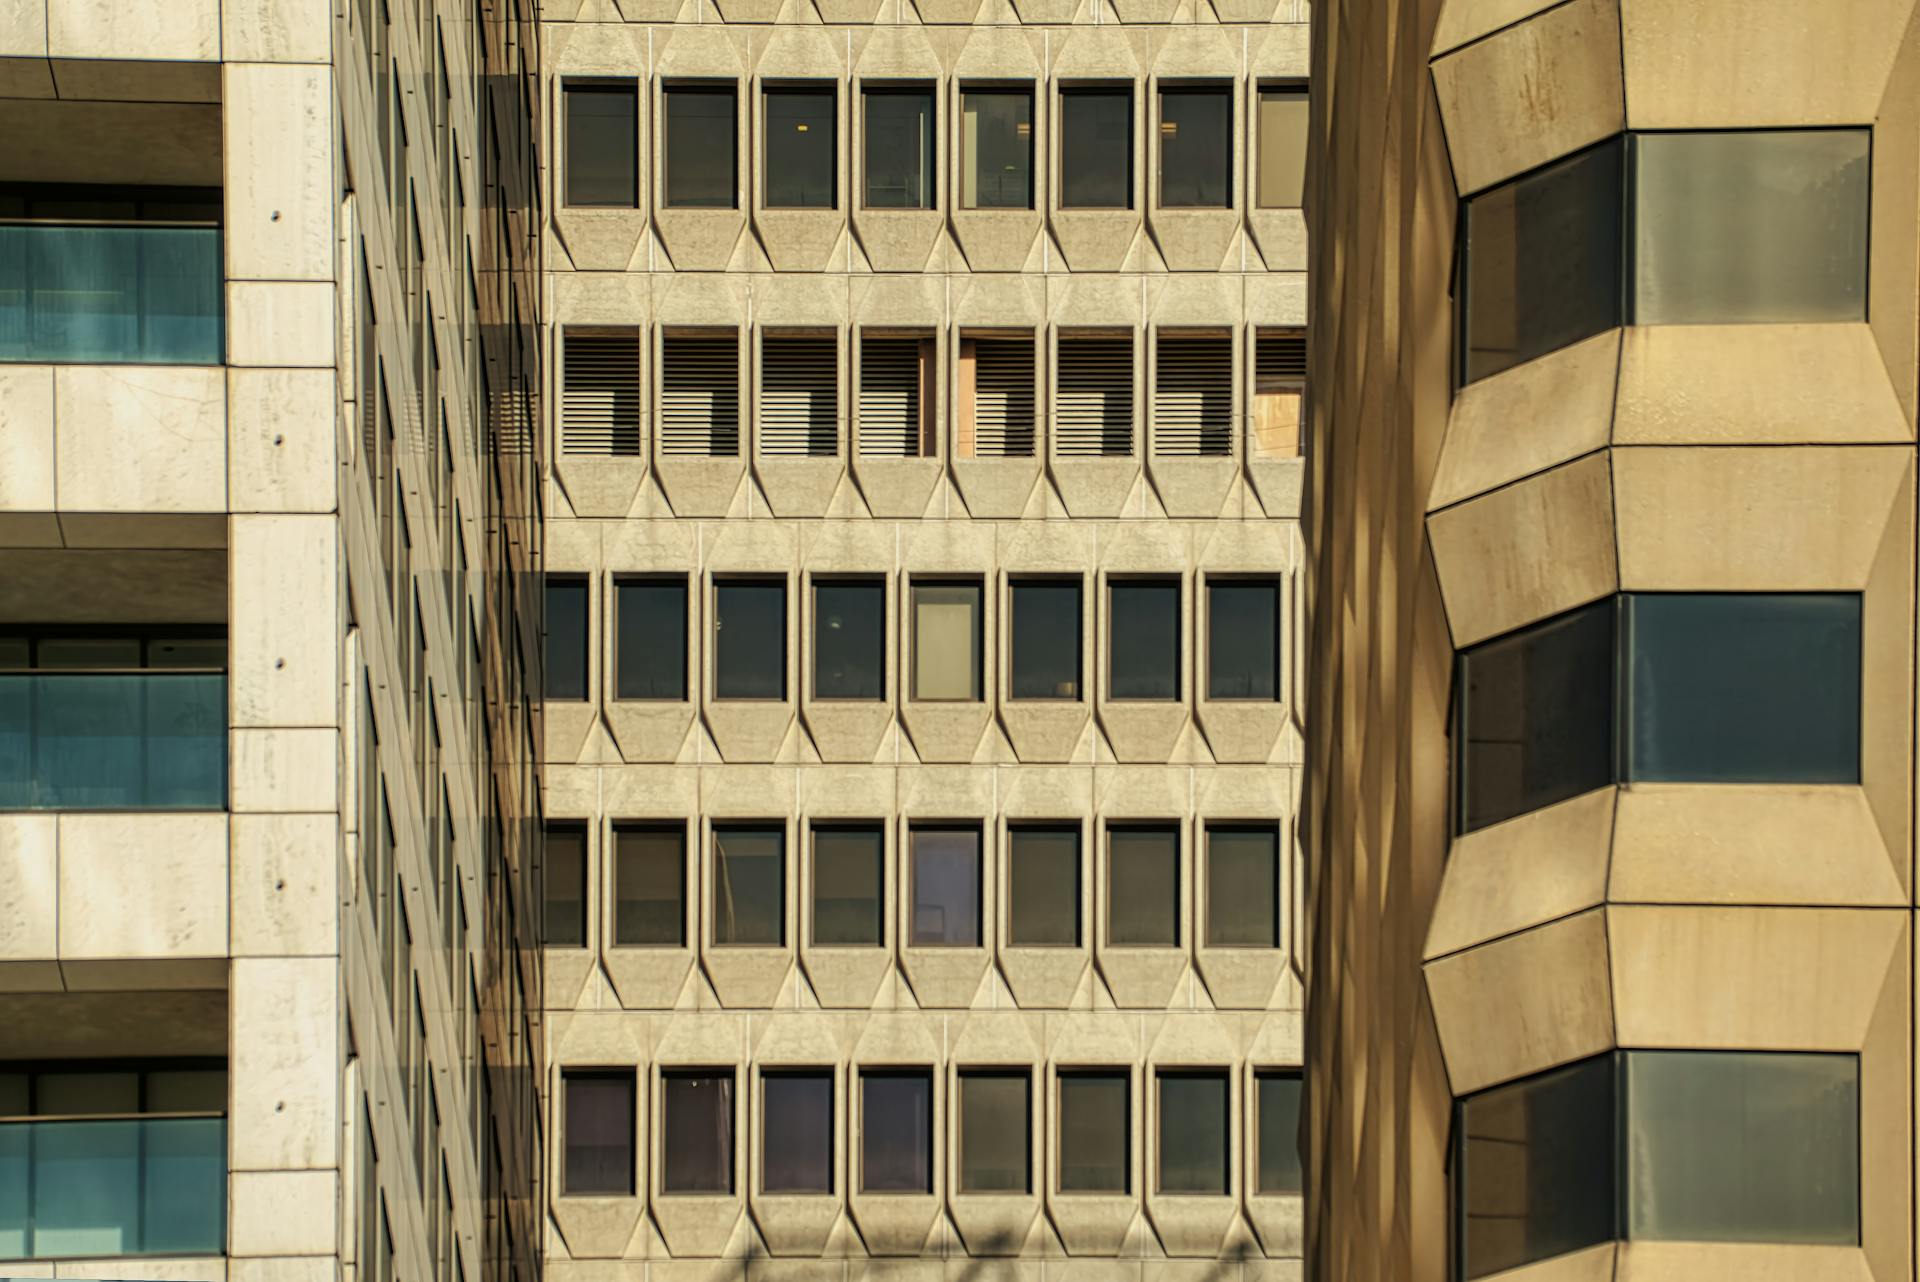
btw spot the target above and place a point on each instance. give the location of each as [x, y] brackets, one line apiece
[1282, 134]
[749, 886]
[566, 886]
[1044, 895]
[800, 148]
[566, 638]
[696, 1131]
[849, 639]
[896, 395]
[1279, 393]
[946, 887]
[649, 886]
[848, 885]
[996, 149]
[699, 147]
[1193, 1132]
[1143, 891]
[600, 393]
[900, 149]
[1096, 149]
[1243, 639]
[1278, 1106]
[1196, 147]
[996, 1130]
[799, 394]
[700, 393]
[946, 641]
[1046, 639]
[650, 624]
[603, 152]
[896, 1132]
[599, 1132]
[996, 396]
[1144, 636]
[1093, 399]
[750, 639]
[1243, 887]
[1094, 1127]
[1193, 394]
[796, 1151]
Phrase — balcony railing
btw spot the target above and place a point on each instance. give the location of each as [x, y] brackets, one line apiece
[130, 294]
[113, 741]
[121, 1186]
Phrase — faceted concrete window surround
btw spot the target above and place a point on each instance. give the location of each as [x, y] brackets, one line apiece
[1096, 147]
[696, 1131]
[1281, 135]
[1660, 687]
[1095, 1127]
[598, 1132]
[796, 1151]
[1691, 1146]
[996, 148]
[566, 637]
[650, 885]
[901, 156]
[602, 151]
[1043, 898]
[995, 1131]
[896, 1131]
[650, 629]
[1143, 660]
[801, 146]
[1192, 1133]
[849, 885]
[1196, 147]
[1143, 889]
[849, 639]
[564, 875]
[700, 142]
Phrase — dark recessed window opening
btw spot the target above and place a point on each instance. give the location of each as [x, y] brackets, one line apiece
[1277, 1101]
[565, 878]
[1094, 1127]
[696, 1131]
[848, 885]
[1046, 639]
[946, 887]
[749, 886]
[849, 639]
[1193, 1133]
[996, 1129]
[1043, 897]
[1144, 636]
[1243, 887]
[566, 656]
[1096, 149]
[750, 639]
[797, 1131]
[1196, 147]
[598, 1132]
[896, 1131]
[699, 146]
[996, 149]
[603, 153]
[650, 625]
[900, 153]
[1243, 640]
[1143, 894]
[800, 148]
[650, 886]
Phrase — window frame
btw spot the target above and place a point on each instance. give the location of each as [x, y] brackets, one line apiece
[1087, 89]
[597, 85]
[622, 581]
[707, 86]
[1193, 88]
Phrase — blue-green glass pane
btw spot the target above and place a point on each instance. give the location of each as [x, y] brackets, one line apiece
[15, 1143]
[147, 295]
[113, 741]
[184, 1191]
[86, 1188]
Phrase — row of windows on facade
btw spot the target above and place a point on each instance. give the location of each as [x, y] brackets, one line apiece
[850, 880]
[1664, 229]
[896, 394]
[900, 146]
[945, 641]
[1664, 688]
[893, 1136]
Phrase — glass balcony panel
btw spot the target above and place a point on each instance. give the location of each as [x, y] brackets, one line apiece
[113, 741]
[134, 1186]
[111, 295]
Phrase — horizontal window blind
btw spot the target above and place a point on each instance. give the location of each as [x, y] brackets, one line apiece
[1279, 392]
[1093, 407]
[798, 402]
[1003, 395]
[892, 395]
[1193, 394]
[700, 393]
[600, 396]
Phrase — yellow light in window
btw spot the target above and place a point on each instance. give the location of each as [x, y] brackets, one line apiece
[800, 129]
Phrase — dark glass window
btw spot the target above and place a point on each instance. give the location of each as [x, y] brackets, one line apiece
[566, 886]
[1243, 640]
[599, 1133]
[1196, 147]
[848, 885]
[699, 146]
[566, 638]
[797, 1132]
[750, 639]
[946, 641]
[1044, 897]
[696, 1131]
[1143, 893]
[650, 622]
[900, 148]
[1145, 631]
[1046, 640]
[946, 887]
[1193, 1132]
[849, 640]
[996, 1129]
[1096, 149]
[1278, 1107]
[1094, 1127]
[896, 1132]
[996, 149]
[749, 886]
[649, 887]
[603, 153]
[1243, 888]
[800, 148]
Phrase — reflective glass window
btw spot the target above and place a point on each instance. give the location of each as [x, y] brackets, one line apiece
[800, 148]
[649, 876]
[946, 887]
[566, 886]
[650, 626]
[946, 641]
[896, 1132]
[996, 149]
[750, 639]
[603, 153]
[1094, 1127]
[749, 886]
[1046, 639]
[1243, 640]
[849, 640]
[797, 1132]
[1096, 148]
[1193, 1133]
[847, 885]
[996, 1129]
[1143, 893]
[599, 1133]
[696, 1131]
[699, 146]
[566, 650]
[1044, 898]
[1196, 147]
[1282, 130]
[1144, 632]
[900, 148]
[1277, 1105]
[1243, 887]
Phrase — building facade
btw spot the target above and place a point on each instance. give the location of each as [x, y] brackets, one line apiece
[1611, 710]
[269, 640]
[921, 737]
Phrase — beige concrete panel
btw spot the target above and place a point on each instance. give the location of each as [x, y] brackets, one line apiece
[276, 323]
[1886, 1112]
[1752, 978]
[696, 1224]
[1528, 871]
[1532, 92]
[1463, 21]
[1092, 1224]
[1100, 240]
[1279, 235]
[274, 31]
[284, 1066]
[285, 897]
[601, 240]
[595, 1228]
[598, 486]
[1750, 844]
[26, 444]
[1728, 385]
[1143, 978]
[1759, 66]
[133, 439]
[1594, 1264]
[1524, 420]
[1529, 551]
[284, 621]
[279, 192]
[23, 28]
[841, 976]
[280, 441]
[29, 888]
[1736, 1262]
[282, 1212]
[1190, 1225]
[142, 886]
[1886, 705]
[1895, 190]
[180, 29]
[1753, 520]
[899, 1223]
[62, 141]
[1044, 977]
[1524, 1003]
[284, 771]
[994, 1224]
[563, 974]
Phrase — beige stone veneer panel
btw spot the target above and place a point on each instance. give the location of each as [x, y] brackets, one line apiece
[182, 29]
[1523, 873]
[1886, 683]
[1532, 93]
[139, 886]
[29, 888]
[140, 439]
[280, 171]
